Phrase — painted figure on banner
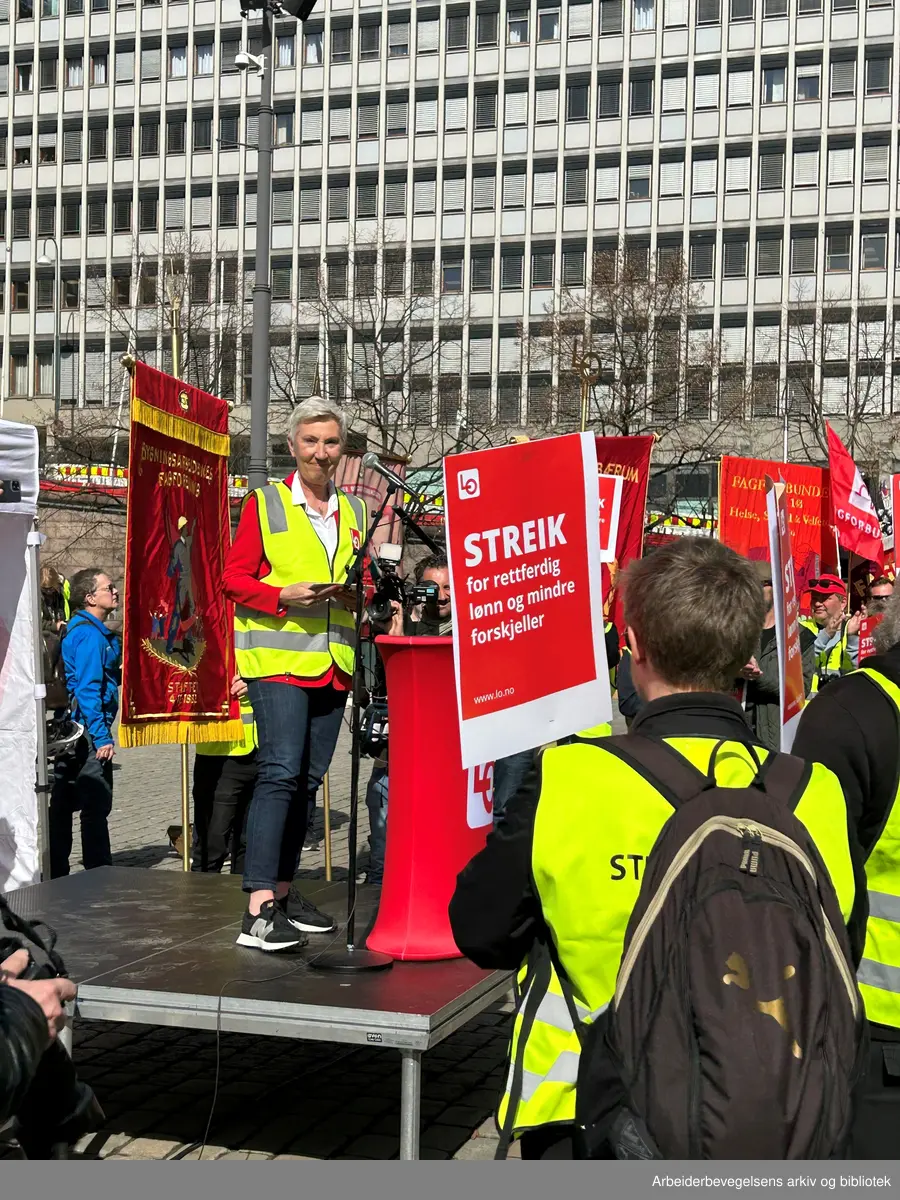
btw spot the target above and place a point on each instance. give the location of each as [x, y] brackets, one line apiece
[176, 628]
[179, 571]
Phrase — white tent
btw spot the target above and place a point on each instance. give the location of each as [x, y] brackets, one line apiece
[22, 730]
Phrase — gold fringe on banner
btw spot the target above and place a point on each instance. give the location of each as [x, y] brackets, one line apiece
[173, 733]
[180, 428]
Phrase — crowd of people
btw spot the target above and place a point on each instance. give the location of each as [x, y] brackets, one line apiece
[553, 893]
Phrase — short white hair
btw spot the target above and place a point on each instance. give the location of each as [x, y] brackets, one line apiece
[316, 408]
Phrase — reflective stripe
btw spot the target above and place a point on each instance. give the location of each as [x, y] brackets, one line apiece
[275, 510]
[879, 975]
[564, 1070]
[554, 1011]
[885, 906]
[275, 639]
[247, 718]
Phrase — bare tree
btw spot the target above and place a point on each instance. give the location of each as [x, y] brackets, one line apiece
[657, 362]
[838, 358]
[392, 338]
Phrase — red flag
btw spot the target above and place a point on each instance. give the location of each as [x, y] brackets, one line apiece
[855, 519]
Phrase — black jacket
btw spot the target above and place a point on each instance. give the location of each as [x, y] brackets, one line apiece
[495, 912]
[23, 1040]
[854, 729]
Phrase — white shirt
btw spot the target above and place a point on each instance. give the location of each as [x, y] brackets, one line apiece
[326, 526]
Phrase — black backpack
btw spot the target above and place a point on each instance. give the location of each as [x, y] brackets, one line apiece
[737, 1029]
[54, 671]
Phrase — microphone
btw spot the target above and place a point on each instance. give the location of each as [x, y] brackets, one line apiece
[372, 462]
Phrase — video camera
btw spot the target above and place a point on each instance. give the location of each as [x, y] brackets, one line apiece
[390, 587]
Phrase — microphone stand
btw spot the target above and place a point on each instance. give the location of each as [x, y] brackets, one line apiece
[353, 957]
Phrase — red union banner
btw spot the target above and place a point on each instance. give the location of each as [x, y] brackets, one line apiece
[178, 637]
[527, 606]
[855, 518]
[786, 599]
[610, 492]
[742, 513]
[629, 458]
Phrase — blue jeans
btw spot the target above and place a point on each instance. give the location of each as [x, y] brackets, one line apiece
[297, 730]
[509, 775]
[377, 803]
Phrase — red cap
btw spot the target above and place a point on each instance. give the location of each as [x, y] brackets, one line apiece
[827, 585]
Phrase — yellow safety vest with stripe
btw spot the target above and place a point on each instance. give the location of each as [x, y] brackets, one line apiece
[836, 661]
[67, 593]
[307, 641]
[879, 972]
[587, 858]
[235, 749]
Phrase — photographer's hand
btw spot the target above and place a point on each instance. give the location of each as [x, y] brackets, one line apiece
[49, 994]
[396, 626]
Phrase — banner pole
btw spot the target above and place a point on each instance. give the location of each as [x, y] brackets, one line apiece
[175, 318]
[326, 801]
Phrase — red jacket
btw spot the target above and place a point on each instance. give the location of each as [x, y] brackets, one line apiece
[246, 568]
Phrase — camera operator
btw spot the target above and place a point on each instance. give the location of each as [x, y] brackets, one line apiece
[425, 611]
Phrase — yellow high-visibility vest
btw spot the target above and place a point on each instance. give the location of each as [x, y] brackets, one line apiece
[307, 641]
[235, 749]
[879, 971]
[588, 853]
[836, 661]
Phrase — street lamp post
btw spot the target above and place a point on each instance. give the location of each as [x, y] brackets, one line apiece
[44, 261]
[260, 345]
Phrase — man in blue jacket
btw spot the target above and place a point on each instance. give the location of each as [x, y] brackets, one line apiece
[83, 779]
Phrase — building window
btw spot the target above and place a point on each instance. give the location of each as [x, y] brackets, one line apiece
[773, 85]
[44, 297]
[176, 134]
[451, 277]
[122, 215]
[284, 129]
[876, 163]
[202, 133]
[21, 223]
[149, 140]
[768, 256]
[24, 77]
[366, 121]
[48, 75]
[610, 17]
[71, 217]
[609, 98]
[47, 150]
[542, 266]
[313, 49]
[487, 29]
[284, 51]
[512, 270]
[734, 259]
[398, 39]
[806, 168]
[774, 8]
[22, 156]
[204, 58]
[878, 76]
[178, 62]
[709, 12]
[366, 200]
[771, 171]
[486, 111]
[575, 185]
[577, 102]
[482, 274]
[96, 216]
[369, 42]
[514, 191]
[339, 202]
[843, 78]
[20, 295]
[573, 262]
[423, 276]
[517, 28]
[548, 25]
[121, 290]
[457, 32]
[228, 209]
[147, 215]
[18, 366]
[840, 164]
[97, 144]
[341, 45]
[809, 82]
[643, 16]
[741, 10]
[837, 251]
[703, 256]
[803, 254]
[641, 97]
[873, 252]
[639, 181]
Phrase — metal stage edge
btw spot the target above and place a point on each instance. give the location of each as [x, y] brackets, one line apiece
[410, 1033]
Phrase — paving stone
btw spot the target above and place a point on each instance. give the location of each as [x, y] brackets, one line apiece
[372, 1145]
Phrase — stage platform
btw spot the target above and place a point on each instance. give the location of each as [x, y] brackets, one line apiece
[158, 948]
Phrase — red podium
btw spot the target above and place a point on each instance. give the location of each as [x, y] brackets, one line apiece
[438, 814]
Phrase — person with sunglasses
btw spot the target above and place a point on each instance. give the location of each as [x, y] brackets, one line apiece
[83, 779]
[836, 632]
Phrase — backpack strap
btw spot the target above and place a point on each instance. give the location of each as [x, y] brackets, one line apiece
[784, 777]
[662, 767]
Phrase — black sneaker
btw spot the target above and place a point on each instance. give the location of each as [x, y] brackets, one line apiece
[303, 914]
[270, 930]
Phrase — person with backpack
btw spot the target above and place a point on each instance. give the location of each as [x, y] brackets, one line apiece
[83, 779]
[853, 727]
[722, 872]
